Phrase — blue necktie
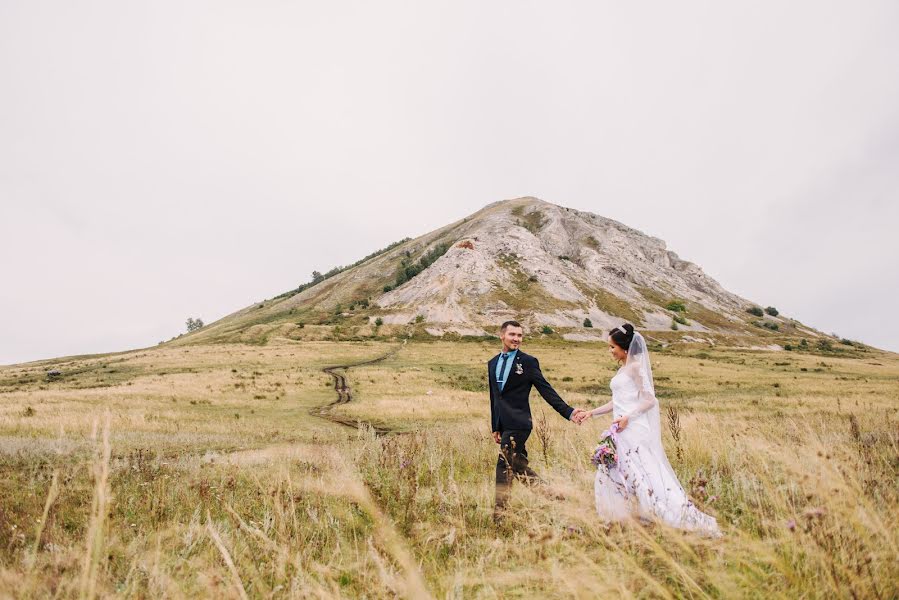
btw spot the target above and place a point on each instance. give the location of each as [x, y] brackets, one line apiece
[502, 371]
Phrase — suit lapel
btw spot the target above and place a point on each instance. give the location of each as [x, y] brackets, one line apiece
[491, 374]
[512, 381]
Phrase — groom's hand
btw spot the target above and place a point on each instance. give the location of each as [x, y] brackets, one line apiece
[577, 415]
[497, 437]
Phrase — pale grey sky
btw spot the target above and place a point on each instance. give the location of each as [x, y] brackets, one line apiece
[160, 160]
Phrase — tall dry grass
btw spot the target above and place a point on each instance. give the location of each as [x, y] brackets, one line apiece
[175, 496]
[801, 516]
[96, 535]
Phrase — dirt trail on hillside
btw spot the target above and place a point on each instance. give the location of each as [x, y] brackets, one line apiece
[345, 395]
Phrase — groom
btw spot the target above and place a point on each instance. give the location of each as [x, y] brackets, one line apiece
[512, 373]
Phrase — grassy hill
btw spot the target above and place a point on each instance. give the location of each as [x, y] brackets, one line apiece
[547, 266]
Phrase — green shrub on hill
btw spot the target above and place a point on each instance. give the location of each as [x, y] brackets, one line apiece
[408, 271]
[676, 306]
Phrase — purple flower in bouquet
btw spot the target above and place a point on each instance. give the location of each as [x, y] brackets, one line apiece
[606, 452]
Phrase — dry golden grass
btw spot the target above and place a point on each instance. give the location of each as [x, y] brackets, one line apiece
[216, 479]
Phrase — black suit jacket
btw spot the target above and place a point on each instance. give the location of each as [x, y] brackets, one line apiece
[510, 408]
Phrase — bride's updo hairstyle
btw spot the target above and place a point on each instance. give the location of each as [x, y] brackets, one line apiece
[624, 338]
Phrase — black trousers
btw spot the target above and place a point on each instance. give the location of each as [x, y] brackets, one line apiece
[512, 463]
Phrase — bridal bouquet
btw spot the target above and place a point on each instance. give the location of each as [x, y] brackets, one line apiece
[606, 452]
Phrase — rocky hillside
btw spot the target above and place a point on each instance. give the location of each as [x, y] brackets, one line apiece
[560, 271]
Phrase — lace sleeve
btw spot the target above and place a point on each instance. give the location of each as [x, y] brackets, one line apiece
[646, 394]
[647, 400]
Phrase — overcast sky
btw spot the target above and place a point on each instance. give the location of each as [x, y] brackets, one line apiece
[163, 159]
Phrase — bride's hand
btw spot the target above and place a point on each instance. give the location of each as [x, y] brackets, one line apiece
[621, 422]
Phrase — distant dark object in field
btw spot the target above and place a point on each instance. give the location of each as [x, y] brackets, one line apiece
[53, 373]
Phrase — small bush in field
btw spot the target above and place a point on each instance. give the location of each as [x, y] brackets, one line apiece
[755, 310]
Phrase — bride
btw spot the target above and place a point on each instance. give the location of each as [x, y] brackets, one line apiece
[643, 475]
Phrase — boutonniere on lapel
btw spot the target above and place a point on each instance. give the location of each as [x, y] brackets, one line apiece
[518, 369]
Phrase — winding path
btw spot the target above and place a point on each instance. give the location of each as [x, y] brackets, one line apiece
[390, 539]
[344, 394]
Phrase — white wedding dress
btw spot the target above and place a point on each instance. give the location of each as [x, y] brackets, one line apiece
[643, 482]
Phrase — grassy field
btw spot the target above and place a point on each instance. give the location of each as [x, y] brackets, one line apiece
[209, 470]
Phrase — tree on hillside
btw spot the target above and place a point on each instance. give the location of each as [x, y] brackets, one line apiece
[194, 324]
[316, 276]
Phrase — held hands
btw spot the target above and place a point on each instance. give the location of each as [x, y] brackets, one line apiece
[497, 437]
[580, 415]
